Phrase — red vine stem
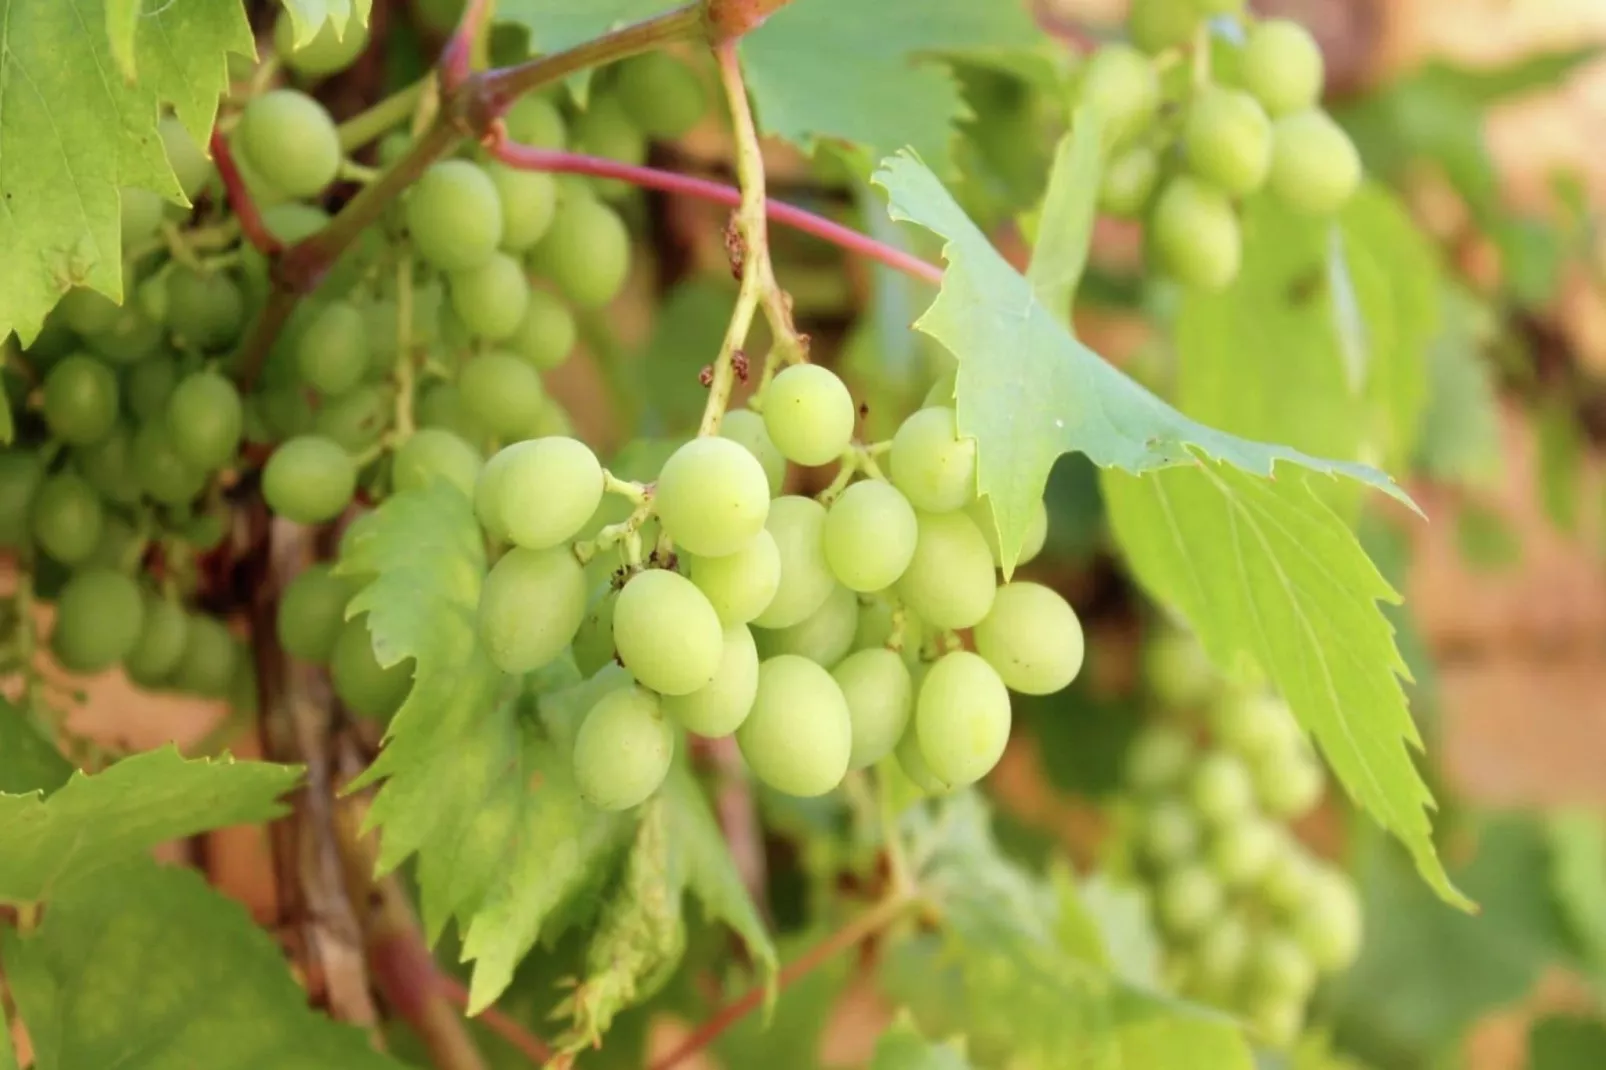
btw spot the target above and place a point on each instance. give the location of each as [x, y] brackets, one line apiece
[530, 158]
[240, 199]
[457, 56]
[502, 1024]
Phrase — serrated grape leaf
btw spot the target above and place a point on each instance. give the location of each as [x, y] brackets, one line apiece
[1577, 842]
[1567, 1042]
[902, 1047]
[1265, 567]
[1029, 391]
[308, 16]
[50, 845]
[1065, 224]
[75, 131]
[28, 761]
[831, 69]
[151, 969]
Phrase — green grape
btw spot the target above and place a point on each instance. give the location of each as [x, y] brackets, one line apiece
[140, 214]
[1177, 669]
[1281, 64]
[1253, 724]
[797, 525]
[1158, 759]
[604, 129]
[585, 252]
[1194, 233]
[661, 94]
[531, 606]
[454, 215]
[1156, 25]
[949, 581]
[328, 52]
[163, 635]
[206, 309]
[1228, 140]
[309, 479]
[712, 497]
[290, 141]
[1288, 879]
[552, 422]
[931, 464]
[547, 333]
[1328, 923]
[356, 420]
[1188, 899]
[80, 400]
[1169, 833]
[205, 419]
[211, 657]
[914, 766]
[1314, 166]
[131, 338]
[441, 405]
[20, 476]
[799, 735]
[741, 585]
[99, 613]
[529, 202]
[539, 493]
[981, 511]
[593, 641]
[204, 532]
[361, 683]
[1129, 181]
[666, 633]
[500, 393]
[623, 749]
[491, 297]
[163, 473]
[332, 352]
[148, 385]
[720, 708]
[189, 161]
[1241, 852]
[1277, 1020]
[747, 428]
[809, 414]
[1222, 952]
[1032, 637]
[1289, 782]
[869, 535]
[1278, 966]
[88, 311]
[1221, 788]
[67, 518]
[535, 120]
[880, 697]
[110, 467]
[120, 546]
[824, 636]
[962, 718]
[312, 612]
[1121, 85]
[431, 454]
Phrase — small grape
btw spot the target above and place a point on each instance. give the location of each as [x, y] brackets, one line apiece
[189, 161]
[1189, 898]
[1195, 234]
[1222, 952]
[540, 492]
[712, 497]
[110, 467]
[880, 697]
[1032, 637]
[546, 334]
[824, 636]
[1241, 852]
[1277, 1020]
[1278, 966]
[933, 466]
[99, 614]
[148, 385]
[491, 297]
[291, 141]
[206, 309]
[1221, 788]
[67, 518]
[662, 95]
[914, 766]
[87, 311]
[361, 683]
[746, 427]
[332, 352]
[593, 641]
[720, 708]
[133, 337]
[949, 581]
[1228, 140]
[799, 735]
[80, 400]
[309, 479]
[535, 120]
[531, 605]
[1288, 783]
[1253, 724]
[431, 454]
[312, 611]
[1129, 181]
[211, 658]
[962, 718]
[797, 525]
[1288, 879]
[140, 214]
[1282, 66]
[1169, 833]
[585, 252]
[1315, 168]
[1156, 25]
[328, 52]
[356, 421]
[666, 633]
[1328, 923]
[21, 473]
[623, 749]
[809, 414]
[1121, 85]
[604, 129]
[1177, 669]
[739, 586]
[163, 474]
[981, 511]
[119, 546]
[454, 215]
[205, 419]
[164, 632]
[500, 393]
[869, 535]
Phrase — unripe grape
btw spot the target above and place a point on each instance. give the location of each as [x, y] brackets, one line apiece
[99, 613]
[1169, 833]
[531, 605]
[87, 311]
[585, 252]
[164, 631]
[312, 611]
[1222, 952]
[1129, 181]
[501, 394]
[326, 53]
[361, 683]
[163, 473]
[529, 203]
[21, 473]
[933, 466]
[189, 161]
[67, 518]
[1156, 25]
[540, 492]
[712, 497]
[799, 735]
[666, 633]
[148, 385]
[431, 454]
[962, 718]
[491, 297]
[880, 695]
[914, 766]
[205, 309]
[661, 94]
[797, 525]
[1278, 966]
[1254, 724]
[535, 120]
[1032, 637]
[1121, 85]
[623, 749]
[290, 141]
[1221, 788]
[546, 334]
[309, 479]
[1281, 64]
[809, 414]
[1228, 140]
[604, 129]
[1287, 881]
[1277, 1020]
[739, 586]
[357, 420]
[720, 708]
[824, 636]
[80, 400]
[1242, 851]
[981, 511]
[1177, 669]
[1189, 899]
[205, 419]
[139, 215]
[1328, 922]
[1289, 782]
[332, 352]
[593, 641]
[869, 535]
[949, 581]
[1194, 233]
[1315, 168]
[746, 427]
[134, 336]
[454, 215]
[211, 658]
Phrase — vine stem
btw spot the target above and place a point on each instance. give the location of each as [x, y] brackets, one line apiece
[499, 1022]
[240, 200]
[394, 110]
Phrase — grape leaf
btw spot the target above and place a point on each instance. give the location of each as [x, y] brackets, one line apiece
[308, 16]
[75, 131]
[150, 969]
[1577, 842]
[1029, 391]
[831, 69]
[1265, 567]
[28, 761]
[50, 845]
[1460, 440]
[1065, 227]
[902, 1047]
[1567, 1042]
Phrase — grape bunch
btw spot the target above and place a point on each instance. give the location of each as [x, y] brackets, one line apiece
[1251, 919]
[1186, 142]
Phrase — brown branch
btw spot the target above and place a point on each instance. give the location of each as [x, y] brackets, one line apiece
[240, 199]
[457, 56]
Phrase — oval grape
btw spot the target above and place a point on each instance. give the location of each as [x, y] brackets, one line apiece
[163, 635]
[1281, 64]
[1315, 167]
[332, 352]
[530, 608]
[312, 611]
[1228, 140]
[211, 659]
[80, 400]
[205, 419]
[1032, 637]
[67, 518]
[666, 633]
[797, 525]
[809, 414]
[290, 141]
[746, 427]
[880, 695]
[933, 466]
[962, 718]
[430, 455]
[361, 683]
[491, 297]
[739, 586]
[1194, 232]
[712, 497]
[719, 708]
[309, 479]
[546, 334]
[799, 735]
[869, 535]
[949, 581]
[540, 492]
[501, 394]
[454, 215]
[623, 749]
[99, 614]
[163, 473]
[824, 636]
[585, 252]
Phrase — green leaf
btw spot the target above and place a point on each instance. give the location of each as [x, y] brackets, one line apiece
[150, 969]
[28, 761]
[1577, 841]
[687, 329]
[1460, 441]
[902, 1047]
[791, 1035]
[49, 846]
[1265, 568]
[1065, 227]
[1567, 1042]
[308, 16]
[76, 131]
[1029, 391]
[8, 1054]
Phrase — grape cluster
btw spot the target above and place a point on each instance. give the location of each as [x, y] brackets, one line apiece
[1250, 917]
[1184, 145]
